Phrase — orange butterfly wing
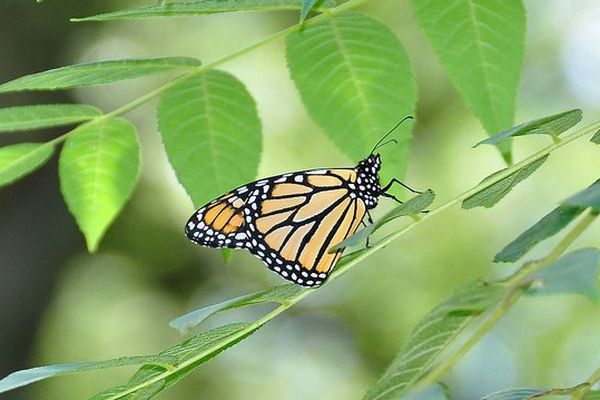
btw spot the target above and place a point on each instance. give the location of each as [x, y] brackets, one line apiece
[288, 221]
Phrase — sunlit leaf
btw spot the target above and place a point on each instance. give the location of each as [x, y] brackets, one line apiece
[576, 272]
[152, 379]
[355, 79]
[276, 294]
[200, 7]
[43, 116]
[589, 197]
[98, 170]
[494, 193]
[552, 125]
[432, 335]
[212, 134]
[514, 394]
[19, 160]
[548, 226]
[28, 376]
[96, 73]
[481, 44]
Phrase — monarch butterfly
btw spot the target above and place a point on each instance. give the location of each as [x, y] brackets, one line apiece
[290, 221]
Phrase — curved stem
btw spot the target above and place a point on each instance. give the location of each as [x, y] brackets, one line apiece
[591, 381]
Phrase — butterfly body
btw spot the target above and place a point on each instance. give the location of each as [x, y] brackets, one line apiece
[290, 221]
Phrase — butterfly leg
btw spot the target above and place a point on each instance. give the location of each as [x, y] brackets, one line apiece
[391, 196]
[370, 219]
[394, 180]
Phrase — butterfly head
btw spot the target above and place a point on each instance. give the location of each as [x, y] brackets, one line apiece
[367, 179]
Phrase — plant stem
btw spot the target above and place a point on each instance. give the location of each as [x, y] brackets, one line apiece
[591, 381]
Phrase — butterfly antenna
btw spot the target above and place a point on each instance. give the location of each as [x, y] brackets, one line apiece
[389, 133]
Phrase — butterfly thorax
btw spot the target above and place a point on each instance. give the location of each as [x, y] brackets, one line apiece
[367, 180]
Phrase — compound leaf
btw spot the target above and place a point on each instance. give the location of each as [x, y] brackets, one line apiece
[19, 160]
[98, 169]
[211, 132]
[589, 197]
[548, 226]
[97, 73]
[575, 272]
[489, 196]
[481, 43]
[276, 294]
[355, 79]
[44, 116]
[552, 125]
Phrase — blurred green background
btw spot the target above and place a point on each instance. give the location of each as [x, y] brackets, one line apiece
[60, 304]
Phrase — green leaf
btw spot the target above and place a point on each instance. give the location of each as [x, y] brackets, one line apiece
[355, 79]
[98, 169]
[151, 379]
[412, 206]
[201, 7]
[494, 193]
[596, 138]
[212, 134]
[43, 116]
[97, 73]
[481, 43]
[552, 125]
[548, 226]
[19, 160]
[28, 376]
[576, 272]
[307, 5]
[276, 294]
[514, 394]
[433, 335]
[589, 197]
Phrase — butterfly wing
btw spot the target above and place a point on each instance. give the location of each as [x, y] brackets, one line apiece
[288, 221]
[221, 222]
